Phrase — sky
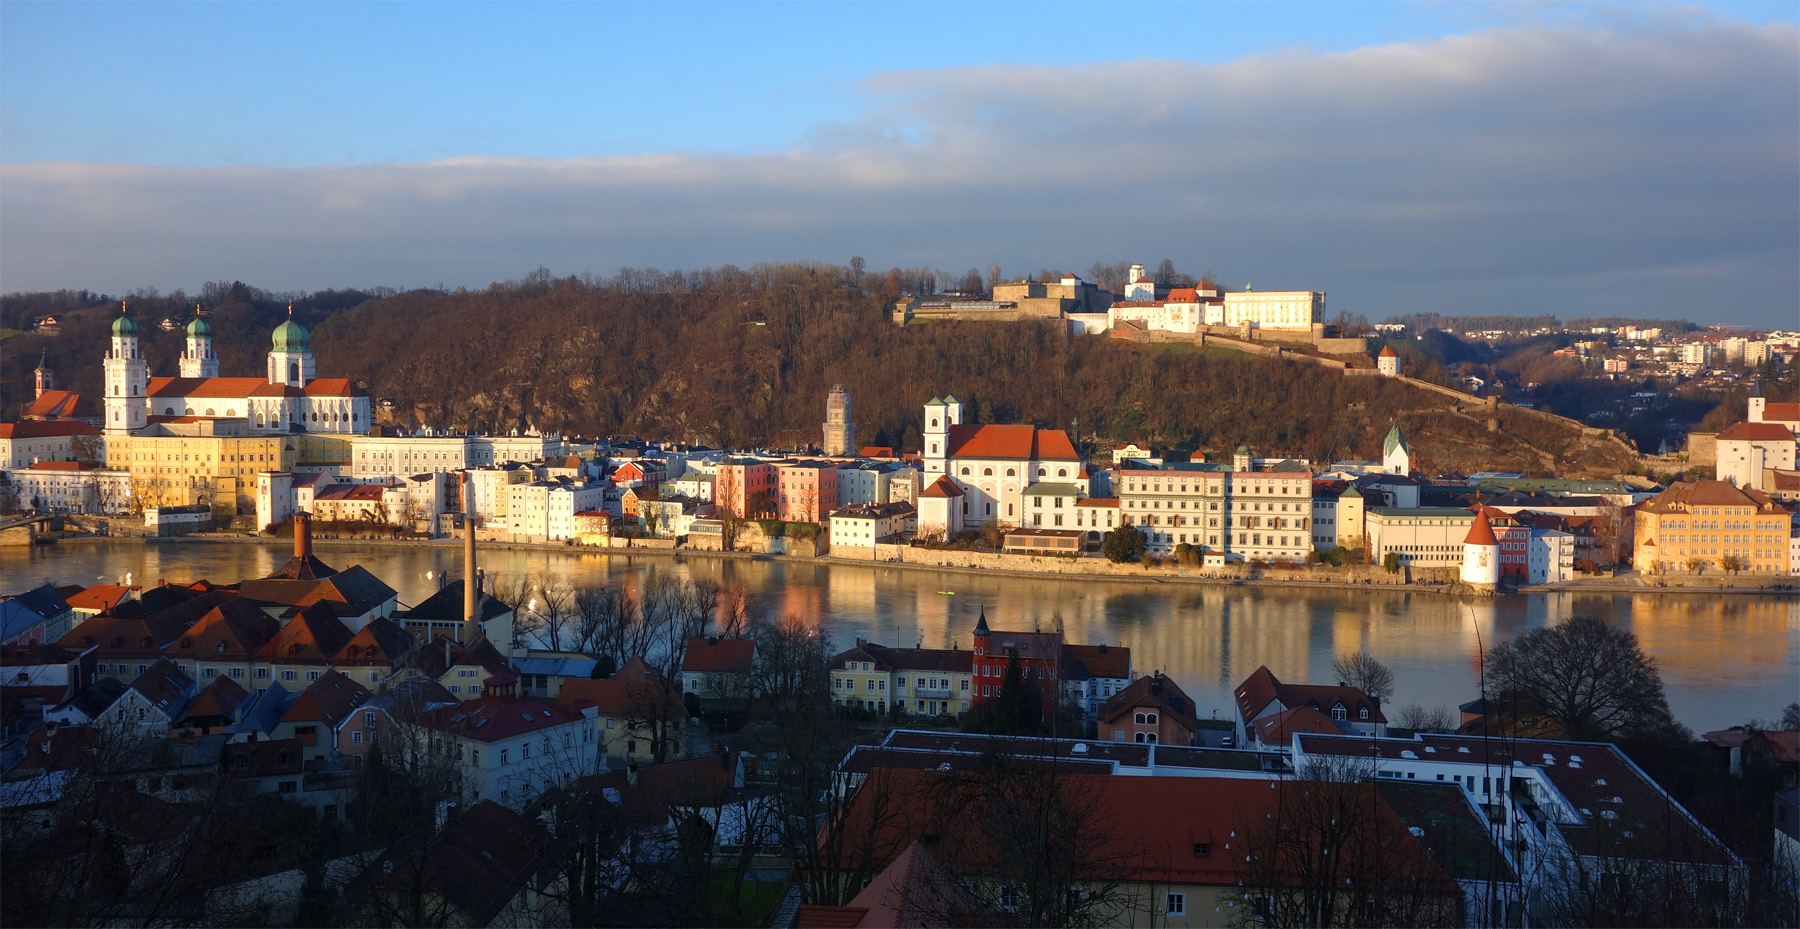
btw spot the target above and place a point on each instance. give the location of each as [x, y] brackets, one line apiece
[1574, 159]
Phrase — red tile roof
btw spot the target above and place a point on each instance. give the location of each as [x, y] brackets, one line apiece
[1184, 295]
[331, 387]
[231, 387]
[1278, 728]
[1756, 432]
[330, 700]
[1262, 687]
[1100, 660]
[1387, 351]
[56, 466]
[1685, 494]
[625, 699]
[101, 597]
[58, 404]
[1021, 441]
[942, 487]
[1782, 412]
[715, 654]
[32, 429]
[491, 718]
[1481, 532]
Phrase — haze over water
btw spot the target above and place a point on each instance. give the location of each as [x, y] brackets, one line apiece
[1724, 659]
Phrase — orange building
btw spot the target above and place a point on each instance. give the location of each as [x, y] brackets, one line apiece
[1711, 525]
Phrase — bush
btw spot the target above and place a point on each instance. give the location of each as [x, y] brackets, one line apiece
[801, 530]
[772, 528]
[1391, 561]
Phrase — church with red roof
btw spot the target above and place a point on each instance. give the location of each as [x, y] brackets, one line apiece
[994, 465]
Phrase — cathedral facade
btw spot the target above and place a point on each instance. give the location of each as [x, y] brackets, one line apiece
[290, 399]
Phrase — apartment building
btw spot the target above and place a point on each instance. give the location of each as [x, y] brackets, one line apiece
[1232, 511]
[1704, 523]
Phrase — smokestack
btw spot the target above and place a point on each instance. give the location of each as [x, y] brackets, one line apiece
[469, 569]
[302, 536]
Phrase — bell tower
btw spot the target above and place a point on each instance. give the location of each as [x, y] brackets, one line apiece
[127, 378]
[43, 378]
[199, 360]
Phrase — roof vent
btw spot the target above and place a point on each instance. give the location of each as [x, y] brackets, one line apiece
[1575, 758]
[1600, 782]
[1609, 814]
[944, 767]
[1574, 763]
[1408, 753]
[1080, 748]
[1416, 831]
[1462, 750]
[1431, 750]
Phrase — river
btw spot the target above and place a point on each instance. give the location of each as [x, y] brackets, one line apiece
[1724, 659]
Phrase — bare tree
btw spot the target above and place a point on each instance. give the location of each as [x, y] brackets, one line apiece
[1592, 679]
[1361, 670]
[557, 616]
[1425, 719]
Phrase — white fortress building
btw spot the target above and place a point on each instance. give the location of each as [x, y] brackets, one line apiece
[292, 398]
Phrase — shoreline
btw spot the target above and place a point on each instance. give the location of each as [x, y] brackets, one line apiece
[1595, 585]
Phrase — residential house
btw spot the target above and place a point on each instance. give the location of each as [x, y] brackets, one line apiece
[914, 681]
[34, 617]
[99, 599]
[1093, 673]
[869, 524]
[215, 708]
[640, 717]
[226, 642]
[375, 655]
[441, 616]
[387, 722]
[153, 704]
[718, 671]
[303, 649]
[1250, 509]
[315, 715]
[805, 491]
[745, 488]
[89, 707]
[511, 749]
[457, 667]
[1263, 694]
[1152, 709]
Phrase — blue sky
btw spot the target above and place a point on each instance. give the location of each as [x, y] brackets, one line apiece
[691, 132]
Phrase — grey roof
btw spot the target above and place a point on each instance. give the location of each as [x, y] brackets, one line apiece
[95, 700]
[263, 713]
[31, 608]
[1052, 489]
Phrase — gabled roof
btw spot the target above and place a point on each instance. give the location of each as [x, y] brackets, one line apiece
[1278, 728]
[447, 604]
[492, 718]
[220, 698]
[102, 598]
[1262, 687]
[382, 643]
[661, 789]
[95, 700]
[234, 630]
[623, 699]
[231, 387]
[33, 429]
[166, 687]
[350, 592]
[42, 600]
[1781, 412]
[1112, 661]
[59, 404]
[316, 635]
[1685, 494]
[479, 862]
[942, 487]
[1018, 441]
[1755, 432]
[1151, 690]
[329, 700]
[716, 654]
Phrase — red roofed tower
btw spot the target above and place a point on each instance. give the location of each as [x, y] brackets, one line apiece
[1388, 362]
[1481, 554]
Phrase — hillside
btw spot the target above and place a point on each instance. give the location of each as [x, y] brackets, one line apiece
[745, 358]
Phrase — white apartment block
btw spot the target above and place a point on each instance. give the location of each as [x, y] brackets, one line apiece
[64, 487]
[1550, 556]
[485, 491]
[375, 455]
[1241, 514]
[1276, 309]
[544, 511]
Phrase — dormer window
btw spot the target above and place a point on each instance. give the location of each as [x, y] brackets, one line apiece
[1338, 713]
[1363, 713]
[220, 648]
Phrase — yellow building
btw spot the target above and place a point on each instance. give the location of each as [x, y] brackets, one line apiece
[917, 681]
[198, 462]
[1711, 526]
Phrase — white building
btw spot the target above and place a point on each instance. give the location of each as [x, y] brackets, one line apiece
[1744, 453]
[940, 509]
[511, 749]
[542, 511]
[1396, 455]
[67, 487]
[993, 464]
[1239, 512]
[1481, 553]
[1297, 310]
[1388, 362]
[864, 525]
[485, 491]
[274, 497]
[1550, 556]
[23, 443]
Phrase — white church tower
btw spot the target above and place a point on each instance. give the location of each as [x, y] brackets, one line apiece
[291, 357]
[127, 379]
[1396, 455]
[199, 360]
[936, 443]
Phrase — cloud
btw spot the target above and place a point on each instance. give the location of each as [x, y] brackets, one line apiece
[1629, 170]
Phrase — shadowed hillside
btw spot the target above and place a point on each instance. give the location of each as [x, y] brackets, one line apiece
[744, 357]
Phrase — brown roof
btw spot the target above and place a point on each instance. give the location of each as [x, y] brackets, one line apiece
[1387, 351]
[1099, 660]
[1151, 690]
[220, 698]
[479, 863]
[240, 387]
[662, 788]
[58, 404]
[55, 466]
[32, 429]
[1782, 412]
[264, 758]
[1280, 727]
[491, 718]
[624, 699]
[1481, 532]
[166, 687]
[331, 387]
[235, 630]
[716, 654]
[330, 699]
[1683, 495]
[381, 643]
[101, 597]
[1755, 432]
[316, 635]
[1262, 688]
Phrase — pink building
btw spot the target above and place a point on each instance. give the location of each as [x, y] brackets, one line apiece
[806, 492]
[745, 488]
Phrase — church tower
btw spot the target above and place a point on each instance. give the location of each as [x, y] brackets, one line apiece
[291, 357]
[936, 444]
[840, 430]
[127, 378]
[199, 360]
[44, 378]
[1396, 455]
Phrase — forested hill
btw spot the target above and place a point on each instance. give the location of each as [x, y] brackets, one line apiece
[745, 358]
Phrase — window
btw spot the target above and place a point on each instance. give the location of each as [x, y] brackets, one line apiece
[1177, 905]
[1337, 712]
[525, 751]
[287, 675]
[1009, 898]
[504, 755]
[1202, 849]
[312, 675]
[369, 720]
[356, 737]
[209, 672]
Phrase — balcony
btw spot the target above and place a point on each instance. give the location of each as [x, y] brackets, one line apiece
[929, 693]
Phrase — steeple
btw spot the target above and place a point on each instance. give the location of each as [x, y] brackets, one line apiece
[981, 626]
[43, 377]
[198, 360]
[126, 379]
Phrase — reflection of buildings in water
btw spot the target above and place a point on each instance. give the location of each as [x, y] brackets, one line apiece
[1698, 637]
[851, 592]
[800, 602]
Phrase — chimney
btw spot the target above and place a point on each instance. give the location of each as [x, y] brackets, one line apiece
[631, 779]
[302, 536]
[469, 570]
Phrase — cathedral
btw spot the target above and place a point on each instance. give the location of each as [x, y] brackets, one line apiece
[290, 399]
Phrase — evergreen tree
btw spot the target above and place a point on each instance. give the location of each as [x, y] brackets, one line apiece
[1020, 707]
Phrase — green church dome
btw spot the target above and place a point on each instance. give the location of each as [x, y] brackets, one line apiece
[290, 336]
[123, 326]
[199, 327]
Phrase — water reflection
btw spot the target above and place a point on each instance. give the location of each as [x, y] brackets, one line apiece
[1724, 659]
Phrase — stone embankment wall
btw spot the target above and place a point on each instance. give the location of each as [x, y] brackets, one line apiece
[1374, 575]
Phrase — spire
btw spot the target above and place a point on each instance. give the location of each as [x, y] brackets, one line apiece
[981, 626]
[290, 308]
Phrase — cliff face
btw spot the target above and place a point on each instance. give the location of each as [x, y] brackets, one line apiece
[749, 361]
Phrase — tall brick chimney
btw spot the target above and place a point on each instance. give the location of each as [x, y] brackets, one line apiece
[302, 536]
[469, 570]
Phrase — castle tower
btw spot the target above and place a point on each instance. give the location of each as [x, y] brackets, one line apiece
[199, 360]
[127, 378]
[1241, 462]
[1396, 455]
[291, 357]
[1481, 554]
[1388, 362]
[1758, 403]
[840, 430]
[936, 442]
[44, 378]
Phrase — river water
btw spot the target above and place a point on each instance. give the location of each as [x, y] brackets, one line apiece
[1724, 659]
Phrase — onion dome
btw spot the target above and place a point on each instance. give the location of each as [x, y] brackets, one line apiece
[290, 336]
[124, 327]
[199, 328]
